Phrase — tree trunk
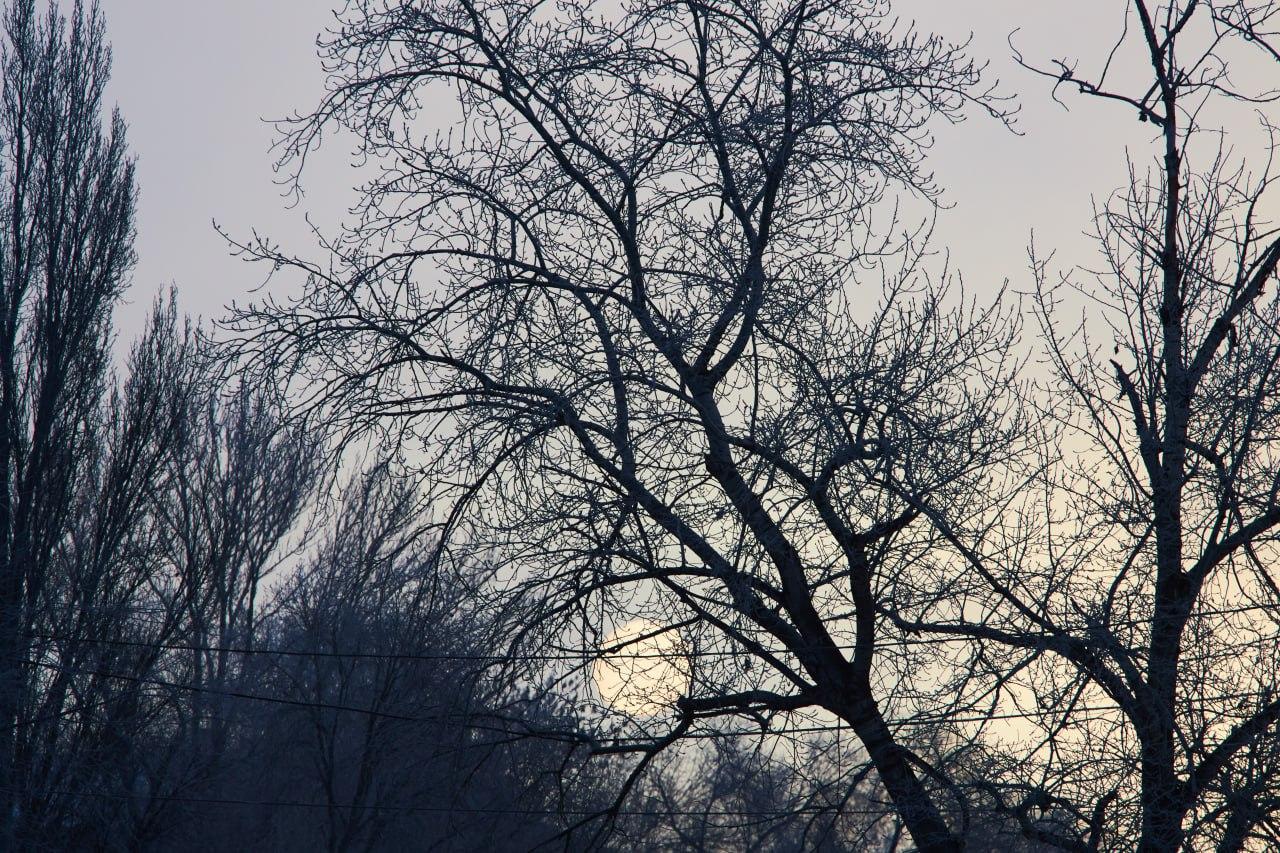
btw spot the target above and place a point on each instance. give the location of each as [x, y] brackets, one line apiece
[916, 807]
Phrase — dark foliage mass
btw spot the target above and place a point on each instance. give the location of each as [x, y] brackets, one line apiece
[632, 361]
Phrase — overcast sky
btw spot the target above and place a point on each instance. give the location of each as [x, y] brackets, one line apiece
[196, 78]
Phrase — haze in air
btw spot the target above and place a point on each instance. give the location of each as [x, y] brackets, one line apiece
[639, 426]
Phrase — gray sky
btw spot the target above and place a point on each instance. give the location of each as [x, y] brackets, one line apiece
[194, 78]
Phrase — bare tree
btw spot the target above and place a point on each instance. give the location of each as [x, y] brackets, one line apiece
[1141, 608]
[81, 697]
[178, 505]
[381, 732]
[142, 512]
[679, 336]
[98, 469]
[650, 321]
[66, 249]
[776, 793]
[221, 512]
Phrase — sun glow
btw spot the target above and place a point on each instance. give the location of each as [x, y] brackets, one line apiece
[648, 674]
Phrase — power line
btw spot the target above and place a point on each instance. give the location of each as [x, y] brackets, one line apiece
[232, 694]
[571, 655]
[466, 721]
[474, 810]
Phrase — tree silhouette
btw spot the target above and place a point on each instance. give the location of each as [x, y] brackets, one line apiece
[1142, 605]
[648, 383]
[65, 248]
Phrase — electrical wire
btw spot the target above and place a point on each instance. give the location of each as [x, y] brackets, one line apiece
[584, 739]
[476, 810]
[571, 655]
